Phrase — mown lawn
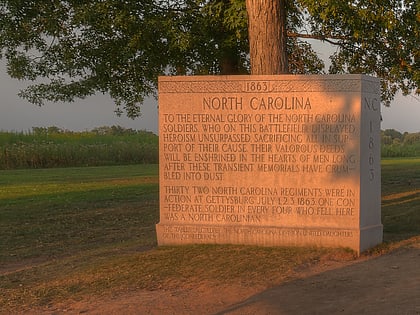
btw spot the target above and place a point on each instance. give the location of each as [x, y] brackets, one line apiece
[76, 232]
[52, 212]
[400, 198]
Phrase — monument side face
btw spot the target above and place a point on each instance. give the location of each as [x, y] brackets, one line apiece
[270, 160]
[370, 165]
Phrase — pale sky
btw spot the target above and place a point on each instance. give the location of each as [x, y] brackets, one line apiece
[19, 115]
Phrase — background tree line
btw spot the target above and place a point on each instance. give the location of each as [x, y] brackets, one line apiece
[397, 144]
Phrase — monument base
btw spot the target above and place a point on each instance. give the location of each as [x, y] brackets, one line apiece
[355, 239]
[370, 237]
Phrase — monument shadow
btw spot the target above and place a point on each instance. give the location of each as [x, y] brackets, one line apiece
[389, 284]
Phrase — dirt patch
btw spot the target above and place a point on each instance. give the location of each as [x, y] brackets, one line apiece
[386, 284]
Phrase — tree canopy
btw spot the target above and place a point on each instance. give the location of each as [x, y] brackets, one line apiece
[72, 49]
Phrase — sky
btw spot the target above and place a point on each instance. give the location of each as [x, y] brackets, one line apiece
[16, 114]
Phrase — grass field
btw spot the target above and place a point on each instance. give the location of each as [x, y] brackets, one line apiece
[76, 232]
[400, 198]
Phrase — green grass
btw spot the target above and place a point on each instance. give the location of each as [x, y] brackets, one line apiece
[54, 212]
[400, 198]
[77, 232]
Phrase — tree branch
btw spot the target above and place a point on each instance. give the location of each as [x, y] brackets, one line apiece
[328, 39]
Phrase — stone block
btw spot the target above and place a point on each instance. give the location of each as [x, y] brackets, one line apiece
[285, 160]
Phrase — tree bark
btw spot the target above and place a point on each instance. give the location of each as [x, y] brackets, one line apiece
[267, 36]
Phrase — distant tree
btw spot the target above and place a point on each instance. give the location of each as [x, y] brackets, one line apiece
[412, 138]
[79, 48]
[54, 130]
[45, 131]
[394, 134]
[104, 130]
[39, 131]
[385, 140]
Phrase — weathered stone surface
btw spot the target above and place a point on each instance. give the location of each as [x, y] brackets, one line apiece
[270, 160]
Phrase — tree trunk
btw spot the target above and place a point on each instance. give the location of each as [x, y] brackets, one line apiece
[230, 61]
[267, 36]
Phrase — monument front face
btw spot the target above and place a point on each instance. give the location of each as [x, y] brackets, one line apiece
[270, 160]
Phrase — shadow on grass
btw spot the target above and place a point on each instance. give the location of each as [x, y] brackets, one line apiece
[388, 284]
[51, 226]
[401, 215]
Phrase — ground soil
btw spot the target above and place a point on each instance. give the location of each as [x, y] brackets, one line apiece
[385, 284]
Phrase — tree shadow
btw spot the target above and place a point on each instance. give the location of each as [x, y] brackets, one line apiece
[389, 284]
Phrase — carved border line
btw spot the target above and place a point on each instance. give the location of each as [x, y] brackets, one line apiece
[239, 86]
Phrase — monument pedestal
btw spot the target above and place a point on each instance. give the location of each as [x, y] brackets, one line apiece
[270, 160]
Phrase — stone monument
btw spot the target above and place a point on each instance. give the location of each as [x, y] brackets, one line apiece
[290, 160]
